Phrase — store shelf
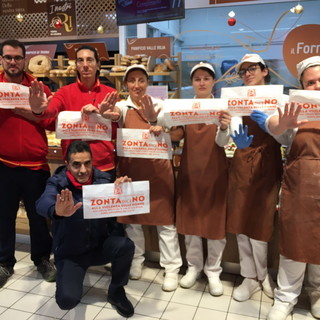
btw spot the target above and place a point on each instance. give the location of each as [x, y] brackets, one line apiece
[60, 65]
[168, 77]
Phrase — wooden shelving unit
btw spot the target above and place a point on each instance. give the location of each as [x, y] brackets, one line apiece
[168, 77]
[173, 77]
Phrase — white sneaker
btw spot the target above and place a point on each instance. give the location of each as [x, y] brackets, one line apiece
[280, 311]
[189, 279]
[246, 289]
[170, 282]
[314, 296]
[268, 286]
[215, 286]
[135, 272]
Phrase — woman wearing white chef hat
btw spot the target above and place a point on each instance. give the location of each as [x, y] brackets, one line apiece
[254, 183]
[299, 205]
[202, 188]
[141, 111]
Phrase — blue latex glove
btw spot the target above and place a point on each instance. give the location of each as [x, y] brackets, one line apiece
[260, 118]
[241, 139]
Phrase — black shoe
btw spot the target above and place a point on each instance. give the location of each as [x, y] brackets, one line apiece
[5, 274]
[47, 270]
[119, 300]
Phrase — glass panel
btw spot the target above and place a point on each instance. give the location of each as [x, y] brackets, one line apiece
[259, 28]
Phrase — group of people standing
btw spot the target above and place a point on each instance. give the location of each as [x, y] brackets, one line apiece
[207, 200]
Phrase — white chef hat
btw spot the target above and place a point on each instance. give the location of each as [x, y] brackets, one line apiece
[202, 65]
[250, 57]
[307, 63]
[136, 66]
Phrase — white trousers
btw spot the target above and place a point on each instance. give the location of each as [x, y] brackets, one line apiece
[194, 255]
[170, 257]
[253, 255]
[290, 279]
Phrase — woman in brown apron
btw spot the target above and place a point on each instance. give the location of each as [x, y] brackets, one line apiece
[202, 189]
[140, 112]
[254, 182]
[299, 205]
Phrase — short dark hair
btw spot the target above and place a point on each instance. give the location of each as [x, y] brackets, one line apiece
[15, 44]
[77, 146]
[204, 69]
[267, 78]
[96, 56]
[86, 47]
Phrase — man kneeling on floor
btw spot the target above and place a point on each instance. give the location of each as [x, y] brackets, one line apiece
[79, 243]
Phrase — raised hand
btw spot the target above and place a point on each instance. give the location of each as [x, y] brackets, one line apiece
[37, 98]
[65, 206]
[287, 119]
[148, 109]
[241, 139]
[108, 107]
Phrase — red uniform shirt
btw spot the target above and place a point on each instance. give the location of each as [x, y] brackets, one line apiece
[72, 98]
[23, 142]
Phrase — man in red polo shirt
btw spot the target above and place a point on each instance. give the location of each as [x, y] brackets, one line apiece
[23, 169]
[85, 95]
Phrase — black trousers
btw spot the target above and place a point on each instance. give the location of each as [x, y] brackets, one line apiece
[28, 185]
[71, 271]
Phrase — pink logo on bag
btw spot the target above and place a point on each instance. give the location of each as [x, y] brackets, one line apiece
[118, 190]
[196, 105]
[145, 135]
[251, 93]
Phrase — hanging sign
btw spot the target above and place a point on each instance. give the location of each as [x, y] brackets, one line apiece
[99, 46]
[301, 43]
[62, 18]
[154, 47]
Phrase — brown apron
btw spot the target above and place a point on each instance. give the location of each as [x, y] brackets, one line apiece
[254, 183]
[160, 174]
[202, 184]
[300, 197]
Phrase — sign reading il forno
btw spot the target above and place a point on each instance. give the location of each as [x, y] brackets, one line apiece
[154, 47]
[301, 43]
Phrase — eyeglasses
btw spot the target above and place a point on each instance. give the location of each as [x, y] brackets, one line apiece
[251, 70]
[89, 61]
[8, 58]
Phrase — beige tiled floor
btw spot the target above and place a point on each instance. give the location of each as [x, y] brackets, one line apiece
[26, 296]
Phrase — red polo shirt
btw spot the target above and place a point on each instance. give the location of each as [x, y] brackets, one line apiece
[23, 142]
[72, 98]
